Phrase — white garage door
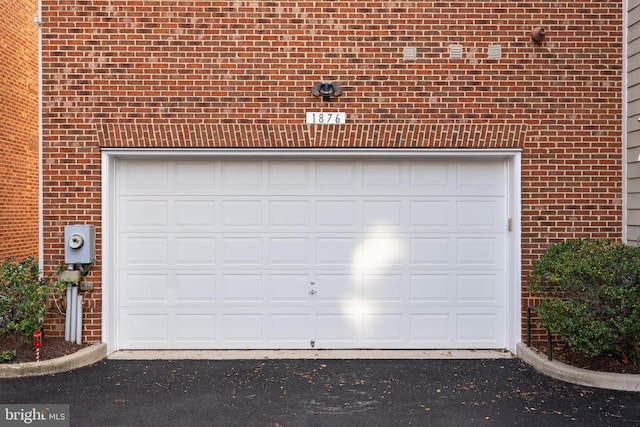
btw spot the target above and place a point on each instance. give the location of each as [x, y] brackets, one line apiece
[254, 253]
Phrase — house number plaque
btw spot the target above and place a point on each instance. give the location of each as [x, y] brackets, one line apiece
[324, 118]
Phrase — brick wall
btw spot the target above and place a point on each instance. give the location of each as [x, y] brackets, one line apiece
[135, 73]
[18, 130]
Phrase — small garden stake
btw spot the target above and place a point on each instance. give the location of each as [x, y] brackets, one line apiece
[37, 343]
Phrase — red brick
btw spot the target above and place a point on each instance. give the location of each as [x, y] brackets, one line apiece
[129, 73]
[19, 130]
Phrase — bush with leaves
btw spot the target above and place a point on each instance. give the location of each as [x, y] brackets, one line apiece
[7, 355]
[23, 297]
[591, 296]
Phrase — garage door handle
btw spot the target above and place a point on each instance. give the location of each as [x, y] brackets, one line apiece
[312, 292]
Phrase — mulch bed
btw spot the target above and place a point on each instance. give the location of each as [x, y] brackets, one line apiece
[52, 347]
[605, 363]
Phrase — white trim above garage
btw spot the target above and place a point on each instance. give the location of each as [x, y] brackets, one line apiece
[270, 249]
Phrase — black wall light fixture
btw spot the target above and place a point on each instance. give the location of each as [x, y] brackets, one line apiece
[327, 90]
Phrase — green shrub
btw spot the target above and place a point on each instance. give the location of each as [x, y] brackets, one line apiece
[23, 297]
[591, 296]
[7, 355]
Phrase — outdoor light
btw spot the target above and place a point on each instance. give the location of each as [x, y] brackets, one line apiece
[326, 90]
[537, 34]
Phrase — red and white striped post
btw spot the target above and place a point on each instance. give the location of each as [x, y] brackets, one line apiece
[37, 343]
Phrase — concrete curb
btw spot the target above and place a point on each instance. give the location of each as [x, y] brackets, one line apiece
[564, 372]
[86, 356]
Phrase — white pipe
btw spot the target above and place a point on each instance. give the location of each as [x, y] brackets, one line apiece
[79, 321]
[74, 312]
[67, 316]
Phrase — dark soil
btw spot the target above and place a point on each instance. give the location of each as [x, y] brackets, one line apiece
[52, 347]
[605, 363]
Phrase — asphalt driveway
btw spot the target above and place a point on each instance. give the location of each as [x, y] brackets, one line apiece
[502, 392]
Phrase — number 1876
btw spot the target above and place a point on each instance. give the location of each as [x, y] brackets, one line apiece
[325, 118]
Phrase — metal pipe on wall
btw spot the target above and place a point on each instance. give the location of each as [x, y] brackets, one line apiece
[74, 312]
[79, 320]
[67, 316]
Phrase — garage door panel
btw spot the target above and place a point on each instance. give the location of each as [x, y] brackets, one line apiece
[148, 214]
[337, 215]
[479, 289]
[240, 175]
[241, 288]
[195, 215]
[383, 288]
[485, 177]
[379, 252]
[289, 288]
[342, 253]
[336, 287]
[165, 289]
[143, 177]
[336, 329]
[335, 251]
[194, 328]
[236, 250]
[457, 214]
[380, 328]
[293, 251]
[241, 328]
[435, 287]
[480, 215]
[480, 251]
[382, 175]
[150, 287]
[194, 288]
[478, 328]
[144, 250]
[144, 214]
[432, 329]
[290, 328]
[193, 250]
[336, 175]
[432, 178]
[457, 328]
[144, 326]
[389, 213]
[434, 214]
[434, 251]
[288, 175]
[192, 175]
[241, 214]
[290, 215]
